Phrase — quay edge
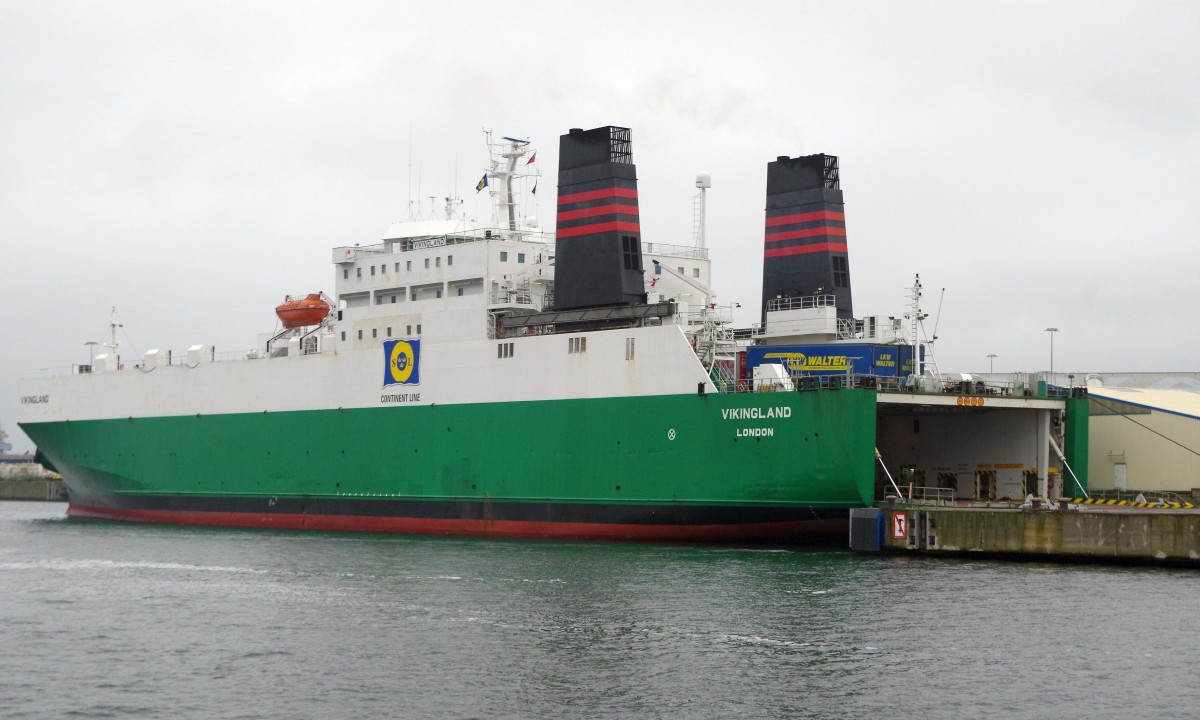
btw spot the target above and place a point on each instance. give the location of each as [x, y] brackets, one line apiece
[1077, 533]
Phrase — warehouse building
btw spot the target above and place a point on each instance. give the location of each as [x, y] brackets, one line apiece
[1143, 439]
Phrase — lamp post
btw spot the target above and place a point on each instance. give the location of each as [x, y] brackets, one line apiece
[91, 351]
[992, 362]
[1051, 330]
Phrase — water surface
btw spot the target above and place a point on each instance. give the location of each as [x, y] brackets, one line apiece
[103, 620]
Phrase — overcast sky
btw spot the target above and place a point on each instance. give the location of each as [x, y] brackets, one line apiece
[192, 163]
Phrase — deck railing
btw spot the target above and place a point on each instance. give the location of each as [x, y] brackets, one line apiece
[894, 385]
[1159, 496]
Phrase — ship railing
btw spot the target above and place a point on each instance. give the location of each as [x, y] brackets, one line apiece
[803, 383]
[494, 334]
[803, 302]
[970, 385]
[894, 384]
[181, 358]
[468, 236]
[678, 251]
[710, 314]
[517, 298]
[397, 245]
[929, 495]
[849, 329]
[1154, 496]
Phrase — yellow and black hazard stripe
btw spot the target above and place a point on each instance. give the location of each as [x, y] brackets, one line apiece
[1132, 504]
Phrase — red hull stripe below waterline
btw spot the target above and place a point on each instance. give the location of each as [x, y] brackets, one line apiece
[789, 531]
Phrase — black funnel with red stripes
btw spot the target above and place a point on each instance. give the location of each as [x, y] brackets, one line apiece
[804, 252]
[598, 245]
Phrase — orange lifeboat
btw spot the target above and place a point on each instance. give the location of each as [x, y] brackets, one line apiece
[298, 312]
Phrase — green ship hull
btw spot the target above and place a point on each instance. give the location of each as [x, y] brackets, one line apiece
[770, 467]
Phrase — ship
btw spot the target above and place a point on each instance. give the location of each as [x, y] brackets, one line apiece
[488, 378]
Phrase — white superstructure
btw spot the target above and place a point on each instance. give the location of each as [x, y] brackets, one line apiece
[442, 288]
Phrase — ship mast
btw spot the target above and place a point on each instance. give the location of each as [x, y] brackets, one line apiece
[915, 316]
[703, 183]
[503, 169]
[112, 330]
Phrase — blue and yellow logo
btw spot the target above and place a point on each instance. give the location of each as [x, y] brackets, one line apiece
[799, 362]
[403, 362]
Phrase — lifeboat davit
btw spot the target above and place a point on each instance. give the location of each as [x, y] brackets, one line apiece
[298, 312]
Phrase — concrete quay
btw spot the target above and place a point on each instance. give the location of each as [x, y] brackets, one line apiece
[1065, 532]
[43, 489]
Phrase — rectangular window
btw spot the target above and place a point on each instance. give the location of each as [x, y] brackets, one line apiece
[408, 330]
[358, 272]
[345, 273]
[631, 252]
[680, 269]
[695, 272]
[449, 259]
[437, 261]
[504, 350]
[389, 331]
[439, 293]
[520, 257]
[397, 267]
[426, 263]
[841, 271]
[418, 328]
[343, 336]
[374, 333]
[408, 264]
[629, 348]
[460, 292]
[576, 345]
[360, 334]
[414, 297]
[372, 271]
[383, 268]
[503, 256]
[378, 299]
[393, 299]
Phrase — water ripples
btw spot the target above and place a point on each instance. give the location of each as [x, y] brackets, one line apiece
[108, 620]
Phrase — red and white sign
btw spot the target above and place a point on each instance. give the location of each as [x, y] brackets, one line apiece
[899, 526]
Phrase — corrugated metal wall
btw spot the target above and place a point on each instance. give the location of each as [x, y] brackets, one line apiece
[1159, 450]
